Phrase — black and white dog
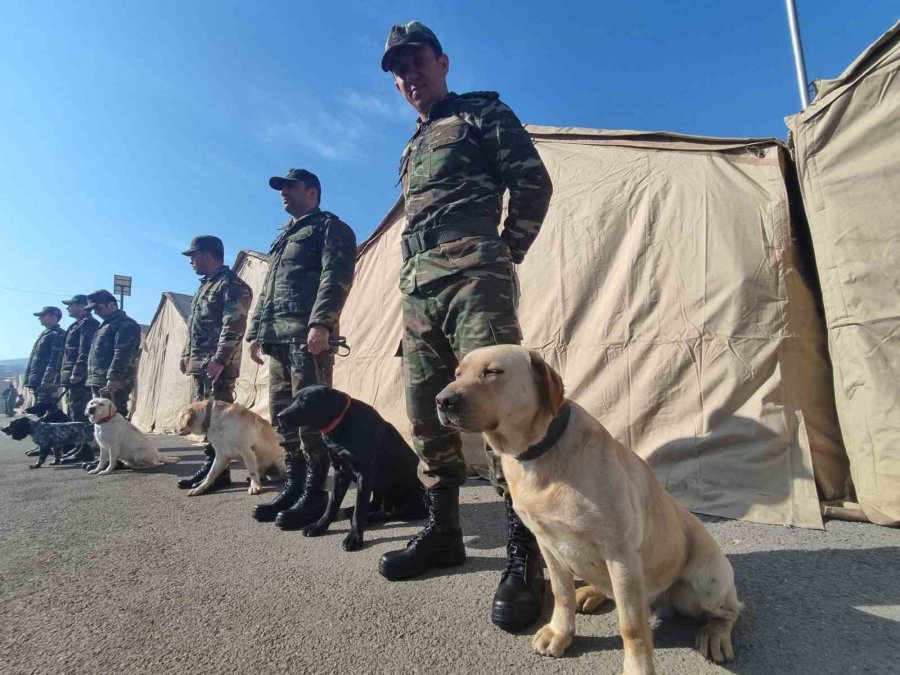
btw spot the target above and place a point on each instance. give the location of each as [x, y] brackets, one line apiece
[50, 436]
[366, 449]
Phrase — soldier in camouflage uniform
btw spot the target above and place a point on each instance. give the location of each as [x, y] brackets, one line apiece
[212, 355]
[42, 370]
[113, 359]
[77, 347]
[311, 266]
[460, 290]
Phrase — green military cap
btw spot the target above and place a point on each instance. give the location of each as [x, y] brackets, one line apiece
[294, 175]
[100, 297]
[76, 300]
[206, 243]
[413, 34]
[50, 310]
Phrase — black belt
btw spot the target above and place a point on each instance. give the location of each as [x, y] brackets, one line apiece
[425, 240]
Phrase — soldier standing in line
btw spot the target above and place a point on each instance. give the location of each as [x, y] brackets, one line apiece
[212, 355]
[113, 359]
[460, 290]
[311, 266]
[42, 371]
[76, 349]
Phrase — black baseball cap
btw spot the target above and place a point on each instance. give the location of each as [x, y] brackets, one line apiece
[100, 297]
[206, 242]
[293, 176]
[412, 34]
[76, 300]
[50, 310]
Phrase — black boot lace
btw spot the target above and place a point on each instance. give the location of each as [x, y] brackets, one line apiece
[518, 547]
[432, 522]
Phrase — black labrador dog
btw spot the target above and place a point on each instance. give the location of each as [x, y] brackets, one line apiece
[366, 449]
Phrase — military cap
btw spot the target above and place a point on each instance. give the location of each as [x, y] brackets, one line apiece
[206, 243]
[413, 34]
[100, 297]
[77, 299]
[294, 175]
[50, 310]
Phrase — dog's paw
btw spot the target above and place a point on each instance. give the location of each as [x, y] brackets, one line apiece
[353, 542]
[547, 642]
[588, 599]
[254, 489]
[314, 530]
[105, 472]
[714, 641]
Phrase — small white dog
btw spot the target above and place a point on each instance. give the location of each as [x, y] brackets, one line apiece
[120, 440]
[236, 433]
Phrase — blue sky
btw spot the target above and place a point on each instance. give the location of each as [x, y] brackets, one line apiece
[128, 127]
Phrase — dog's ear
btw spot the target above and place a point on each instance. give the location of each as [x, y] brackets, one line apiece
[187, 419]
[112, 407]
[549, 383]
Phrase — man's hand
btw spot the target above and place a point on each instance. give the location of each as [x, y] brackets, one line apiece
[182, 365]
[214, 369]
[76, 379]
[112, 386]
[317, 341]
[255, 352]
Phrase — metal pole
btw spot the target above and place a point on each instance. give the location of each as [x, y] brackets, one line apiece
[121, 300]
[799, 63]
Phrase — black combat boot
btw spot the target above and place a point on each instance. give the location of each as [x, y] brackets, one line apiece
[440, 544]
[311, 503]
[70, 452]
[517, 602]
[191, 481]
[295, 467]
[57, 456]
[34, 452]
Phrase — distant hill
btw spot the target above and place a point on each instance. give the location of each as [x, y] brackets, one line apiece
[12, 367]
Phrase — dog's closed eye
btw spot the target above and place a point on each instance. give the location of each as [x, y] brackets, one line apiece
[489, 372]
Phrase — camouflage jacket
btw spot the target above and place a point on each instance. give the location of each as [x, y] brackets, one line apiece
[311, 266]
[455, 169]
[218, 321]
[114, 351]
[76, 349]
[42, 371]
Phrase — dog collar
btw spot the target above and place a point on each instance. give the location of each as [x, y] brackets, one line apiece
[556, 429]
[337, 420]
[106, 419]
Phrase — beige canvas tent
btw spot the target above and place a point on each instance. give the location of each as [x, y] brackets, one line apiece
[161, 389]
[847, 148]
[664, 288]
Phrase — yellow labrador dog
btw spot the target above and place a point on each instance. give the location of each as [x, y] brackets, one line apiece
[120, 440]
[236, 433]
[597, 509]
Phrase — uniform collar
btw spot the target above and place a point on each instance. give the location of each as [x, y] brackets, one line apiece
[215, 276]
[438, 108]
[314, 211]
[113, 316]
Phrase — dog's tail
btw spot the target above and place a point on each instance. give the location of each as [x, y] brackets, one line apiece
[169, 459]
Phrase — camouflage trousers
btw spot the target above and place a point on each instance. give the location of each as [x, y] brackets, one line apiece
[290, 370]
[442, 322]
[222, 388]
[120, 398]
[77, 398]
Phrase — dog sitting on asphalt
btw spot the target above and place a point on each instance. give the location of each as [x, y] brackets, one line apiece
[50, 436]
[236, 433]
[120, 440]
[366, 449]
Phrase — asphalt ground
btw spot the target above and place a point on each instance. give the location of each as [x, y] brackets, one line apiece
[126, 574]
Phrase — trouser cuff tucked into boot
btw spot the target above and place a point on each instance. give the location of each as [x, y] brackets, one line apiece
[193, 481]
[517, 602]
[439, 544]
[295, 471]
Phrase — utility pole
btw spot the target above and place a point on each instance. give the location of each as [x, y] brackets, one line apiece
[122, 286]
[799, 63]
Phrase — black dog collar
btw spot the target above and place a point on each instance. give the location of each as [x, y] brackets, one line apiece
[556, 429]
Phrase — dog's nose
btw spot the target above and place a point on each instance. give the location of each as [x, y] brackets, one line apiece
[448, 401]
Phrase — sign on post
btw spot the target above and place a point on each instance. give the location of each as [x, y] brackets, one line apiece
[121, 287]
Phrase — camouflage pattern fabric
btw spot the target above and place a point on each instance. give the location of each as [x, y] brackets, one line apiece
[218, 321]
[77, 398]
[469, 150]
[119, 398]
[443, 322]
[222, 386]
[311, 265]
[77, 348]
[114, 351]
[42, 369]
[292, 367]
